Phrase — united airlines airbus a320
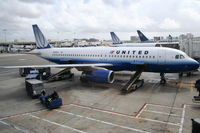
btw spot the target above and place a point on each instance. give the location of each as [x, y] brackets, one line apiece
[99, 63]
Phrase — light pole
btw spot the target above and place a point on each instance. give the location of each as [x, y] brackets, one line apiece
[4, 30]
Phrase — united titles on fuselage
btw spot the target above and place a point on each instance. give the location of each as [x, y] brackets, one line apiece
[140, 52]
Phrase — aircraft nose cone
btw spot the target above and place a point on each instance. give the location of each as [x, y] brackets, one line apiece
[195, 65]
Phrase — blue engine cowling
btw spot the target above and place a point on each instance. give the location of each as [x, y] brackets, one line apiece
[99, 76]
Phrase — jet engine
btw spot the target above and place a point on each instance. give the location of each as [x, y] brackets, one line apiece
[99, 76]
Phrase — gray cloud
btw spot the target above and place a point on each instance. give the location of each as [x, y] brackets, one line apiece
[38, 1]
[83, 18]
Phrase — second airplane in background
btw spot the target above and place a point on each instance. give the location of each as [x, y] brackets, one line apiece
[118, 43]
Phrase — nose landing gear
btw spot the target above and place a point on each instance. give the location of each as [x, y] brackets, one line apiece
[162, 79]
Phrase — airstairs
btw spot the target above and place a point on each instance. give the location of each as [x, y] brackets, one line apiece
[134, 83]
[64, 74]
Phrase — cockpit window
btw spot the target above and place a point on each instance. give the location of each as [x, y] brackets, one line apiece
[182, 57]
[177, 57]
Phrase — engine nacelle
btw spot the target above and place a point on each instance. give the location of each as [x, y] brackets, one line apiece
[99, 76]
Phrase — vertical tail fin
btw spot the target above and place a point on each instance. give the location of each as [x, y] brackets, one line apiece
[115, 38]
[142, 37]
[41, 41]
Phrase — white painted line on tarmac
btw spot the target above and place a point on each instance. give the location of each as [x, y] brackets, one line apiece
[104, 111]
[178, 124]
[152, 120]
[141, 111]
[21, 114]
[164, 106]
[8, 55]
[22, 59]
[15, 127]
[104, 122]
[163, 113]
[61, 125]
[182, 119]
[7, 72]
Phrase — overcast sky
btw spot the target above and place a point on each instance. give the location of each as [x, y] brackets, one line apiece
[66, 19]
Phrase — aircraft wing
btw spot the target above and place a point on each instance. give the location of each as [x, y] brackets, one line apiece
[61, 66]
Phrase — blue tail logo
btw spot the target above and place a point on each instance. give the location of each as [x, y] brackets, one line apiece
[115, 38]
[142, 37]
[41, 41]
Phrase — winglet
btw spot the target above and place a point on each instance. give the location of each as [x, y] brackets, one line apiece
[41, 41]
[115, 38]
[142, 37]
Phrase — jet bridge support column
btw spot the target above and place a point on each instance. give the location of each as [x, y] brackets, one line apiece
[134, 83]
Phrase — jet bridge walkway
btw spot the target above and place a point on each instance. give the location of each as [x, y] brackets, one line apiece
[134, 83]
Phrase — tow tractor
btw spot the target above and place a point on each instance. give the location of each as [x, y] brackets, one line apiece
[51, 101]
[196, 99]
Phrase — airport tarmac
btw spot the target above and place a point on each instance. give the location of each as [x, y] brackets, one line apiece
[97, 108]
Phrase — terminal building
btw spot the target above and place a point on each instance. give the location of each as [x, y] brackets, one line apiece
[185, 42]
[190, 45]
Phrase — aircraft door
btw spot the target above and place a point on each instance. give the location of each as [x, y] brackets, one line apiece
[103, 57]
[161, 56]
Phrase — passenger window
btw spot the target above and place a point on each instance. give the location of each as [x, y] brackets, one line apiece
[177, 57]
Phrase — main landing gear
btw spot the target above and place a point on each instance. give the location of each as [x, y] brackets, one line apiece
[162, 78]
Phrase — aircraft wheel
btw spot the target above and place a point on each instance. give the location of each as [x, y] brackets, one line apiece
[162, 81]
[83, 80]
[189, 74]
[138, 84]
[181, 74]
[135, 88]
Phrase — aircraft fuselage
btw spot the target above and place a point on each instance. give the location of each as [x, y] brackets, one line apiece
[156, 59]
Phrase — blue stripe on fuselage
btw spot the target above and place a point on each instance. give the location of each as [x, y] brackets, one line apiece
[119, 65]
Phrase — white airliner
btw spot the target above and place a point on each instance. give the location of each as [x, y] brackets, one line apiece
[99, 63]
